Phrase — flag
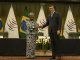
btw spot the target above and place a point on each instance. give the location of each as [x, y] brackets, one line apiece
[11, 25]
[41, 21]
[1, 25]
[23, 21]
[70, 25]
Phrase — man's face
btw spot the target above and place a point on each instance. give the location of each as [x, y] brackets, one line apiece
[51, 9]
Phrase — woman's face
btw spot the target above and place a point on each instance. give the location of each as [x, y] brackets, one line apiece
[31, 17]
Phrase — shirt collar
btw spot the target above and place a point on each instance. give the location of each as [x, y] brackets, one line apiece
[53, 12]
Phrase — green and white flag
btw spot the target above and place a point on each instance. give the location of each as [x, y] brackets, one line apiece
[70, 25]
[11, 25]
[25, 17]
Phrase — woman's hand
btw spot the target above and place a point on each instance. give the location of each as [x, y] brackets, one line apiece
[37, 26]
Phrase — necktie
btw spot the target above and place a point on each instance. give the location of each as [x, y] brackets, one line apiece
[51, 14]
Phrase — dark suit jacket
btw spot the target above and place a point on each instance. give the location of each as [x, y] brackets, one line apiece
[54, 23]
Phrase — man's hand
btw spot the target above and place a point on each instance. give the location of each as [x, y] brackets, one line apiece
[40, 26]
[58, 32]
[37, 26]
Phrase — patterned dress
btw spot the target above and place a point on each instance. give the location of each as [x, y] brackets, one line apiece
[31, 35]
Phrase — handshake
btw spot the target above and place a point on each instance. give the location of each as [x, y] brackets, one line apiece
[37, 26]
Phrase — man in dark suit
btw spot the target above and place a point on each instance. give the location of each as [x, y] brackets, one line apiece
[54, 25]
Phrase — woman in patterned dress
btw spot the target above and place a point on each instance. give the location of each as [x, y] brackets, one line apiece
[31, 35]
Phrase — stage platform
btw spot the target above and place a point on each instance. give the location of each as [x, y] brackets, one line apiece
[17, 47]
